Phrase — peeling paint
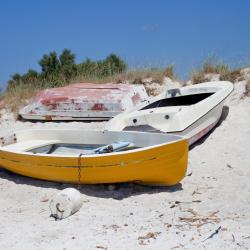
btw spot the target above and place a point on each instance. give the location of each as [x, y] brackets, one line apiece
[84, 101]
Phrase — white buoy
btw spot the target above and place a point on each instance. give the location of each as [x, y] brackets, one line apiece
[65, 203]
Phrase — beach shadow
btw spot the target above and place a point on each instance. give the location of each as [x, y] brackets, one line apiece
[225, 112]
[23, 180]
[125, 190]
[118, 191]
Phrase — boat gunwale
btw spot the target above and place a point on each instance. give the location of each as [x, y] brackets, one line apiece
[116, 164]
[178, 139]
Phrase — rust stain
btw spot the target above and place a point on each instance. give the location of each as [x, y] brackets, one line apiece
[48, 117]
[99, 107]
[53, 100]
[136, 98]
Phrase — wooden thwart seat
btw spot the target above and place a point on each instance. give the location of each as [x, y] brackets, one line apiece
[28, 145]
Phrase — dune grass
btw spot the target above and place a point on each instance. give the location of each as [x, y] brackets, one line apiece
[18, 95]
[210, 66]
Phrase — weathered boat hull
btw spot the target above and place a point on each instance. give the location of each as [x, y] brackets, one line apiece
[162, 164]
[83, 101]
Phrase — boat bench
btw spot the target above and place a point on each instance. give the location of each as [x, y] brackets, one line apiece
[28, 145]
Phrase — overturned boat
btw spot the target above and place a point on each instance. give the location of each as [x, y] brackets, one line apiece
[83, 101]
[90, 157]
[190, 111]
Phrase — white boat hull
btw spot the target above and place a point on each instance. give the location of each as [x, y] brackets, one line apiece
[192, 119]
[202, 126]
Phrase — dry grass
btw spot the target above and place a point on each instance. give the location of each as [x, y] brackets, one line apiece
[1, 102]
[138, 76]
[198, 77]
[169, 72]
[247, 91]
[133, 76]
[230, 75]
[17, 97]
[210, 67]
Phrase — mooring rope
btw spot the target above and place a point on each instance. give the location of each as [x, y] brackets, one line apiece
[79, 171]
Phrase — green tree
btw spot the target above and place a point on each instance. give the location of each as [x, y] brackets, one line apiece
[114, 64]
[15, 80]
[58, 70]
[87, 68]
[67, 58]
[49, 64]
[30, 77]
[67, 66]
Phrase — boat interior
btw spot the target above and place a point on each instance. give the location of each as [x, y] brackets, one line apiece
[66, 142]
[181, 100]
[85, 149]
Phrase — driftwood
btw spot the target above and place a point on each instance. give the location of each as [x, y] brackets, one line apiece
[199, 220]
[148, 236]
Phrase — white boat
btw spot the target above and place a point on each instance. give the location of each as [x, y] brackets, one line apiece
[190, 111]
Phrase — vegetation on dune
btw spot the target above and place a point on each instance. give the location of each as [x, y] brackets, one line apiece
[211, 66]
[17, 97]
[155, 75]
[59, 70]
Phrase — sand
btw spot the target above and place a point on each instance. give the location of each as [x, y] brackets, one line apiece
[215, 195]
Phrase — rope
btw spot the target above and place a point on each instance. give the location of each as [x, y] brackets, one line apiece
[79, 171]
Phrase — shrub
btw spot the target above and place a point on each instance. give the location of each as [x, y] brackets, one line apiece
[230, 75]
[198, 77]
[59, 70]
[67, 67]
[114, 64]
[17, 96]
[15, 80]
[87, 68]
[111, 65]
[169, 72]
[49, 64]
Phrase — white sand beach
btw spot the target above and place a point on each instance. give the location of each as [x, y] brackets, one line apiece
[215, 195]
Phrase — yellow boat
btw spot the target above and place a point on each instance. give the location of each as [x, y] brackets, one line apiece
[91, 157]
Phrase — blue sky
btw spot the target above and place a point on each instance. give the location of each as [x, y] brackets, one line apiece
[144, 33]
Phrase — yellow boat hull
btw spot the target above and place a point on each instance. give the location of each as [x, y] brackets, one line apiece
[161, 165]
